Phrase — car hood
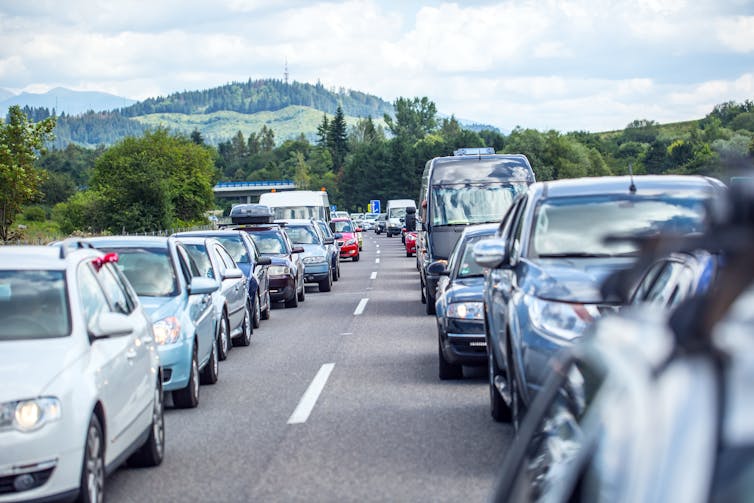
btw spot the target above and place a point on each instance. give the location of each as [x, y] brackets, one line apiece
[569, 280]
[161, 307]
[466, 290]
[32, 366]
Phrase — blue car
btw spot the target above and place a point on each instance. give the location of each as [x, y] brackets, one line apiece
[459, 307]
[315, 257]
[333, 250]
[549, 258]
[255, 267]
[177, 299]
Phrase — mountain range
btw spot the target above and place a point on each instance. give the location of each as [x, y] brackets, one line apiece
[290, 109]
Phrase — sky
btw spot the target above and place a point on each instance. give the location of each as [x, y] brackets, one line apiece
[592, 65]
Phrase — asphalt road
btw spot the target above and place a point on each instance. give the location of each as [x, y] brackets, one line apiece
[383, 427]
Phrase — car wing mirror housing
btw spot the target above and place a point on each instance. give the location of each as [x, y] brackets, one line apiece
[297, 249]
[491, 253]
[233, 273]
[201, 286]
[264, 261]
[109, 324]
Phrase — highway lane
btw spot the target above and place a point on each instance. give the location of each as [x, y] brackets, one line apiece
[382, 428]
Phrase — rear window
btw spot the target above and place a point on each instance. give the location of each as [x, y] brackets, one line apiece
[269, 242]
[149, 270]
[33, 305]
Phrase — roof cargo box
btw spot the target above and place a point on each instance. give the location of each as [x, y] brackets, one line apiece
[251, 214]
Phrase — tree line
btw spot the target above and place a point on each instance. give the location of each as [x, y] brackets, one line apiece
[159, 179]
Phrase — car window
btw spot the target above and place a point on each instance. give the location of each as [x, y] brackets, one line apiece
[342, 226]
[149, 270]
[269, 242]
[114, 290]
[199, 253]
[646, 282]
[466, 266]
[93, 299]
[226, 258]
[188, 266]
[302, 235]
[33, 304]
[516, 230]
[235, 247]
[671, 285]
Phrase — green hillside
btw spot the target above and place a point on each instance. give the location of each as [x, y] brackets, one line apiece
[288, 123]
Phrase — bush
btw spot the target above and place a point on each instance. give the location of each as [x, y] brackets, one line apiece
[34, 214]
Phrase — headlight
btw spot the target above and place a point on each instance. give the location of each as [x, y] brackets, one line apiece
[29, 415]
[466, 310]
[351, 242]
[167, 330]
[314, 260]
[278, 270]
[566, 320]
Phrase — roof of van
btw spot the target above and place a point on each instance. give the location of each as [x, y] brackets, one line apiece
[294, 198]
[481, 168]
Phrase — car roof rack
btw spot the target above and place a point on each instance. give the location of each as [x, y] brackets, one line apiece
[67, 245]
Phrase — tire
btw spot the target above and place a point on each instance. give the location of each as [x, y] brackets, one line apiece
[266, 313]
[293, 301]
[212, 368]
[499, 410]
[326, 284]
[408, 254]
[246, 331]
[188, 397]
[302, 294]
[92, 483]
[447, 371]
[153, 450]
[336, 272]
[223, 338]
[423, 298]
[356, 258]
[430, 302]
[256, 317]
[517, 411]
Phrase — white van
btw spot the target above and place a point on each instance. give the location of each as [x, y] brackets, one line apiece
[396, 215]
[298, 204]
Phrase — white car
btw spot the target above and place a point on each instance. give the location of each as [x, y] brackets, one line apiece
[81, 380]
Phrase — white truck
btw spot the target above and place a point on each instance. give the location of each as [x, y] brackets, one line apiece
[298, 204]
[396, 215]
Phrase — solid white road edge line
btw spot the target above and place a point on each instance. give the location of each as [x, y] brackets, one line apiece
[361, 306]
[374, 275]
[309, 400]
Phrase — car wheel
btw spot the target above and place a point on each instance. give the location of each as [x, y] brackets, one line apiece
[326, 284]
[92, 484]
[246, 330]
[447, 371]
[302, 294]
[408, 253]
[223, 338]
[293, 301]
[212, 369]
[430, 302]
[356, 258]
[153, 450]
[498, 408]
[517, 408]
[188, 397]
[336, 272]
[266, 313]
[423, 298]
[257, 312]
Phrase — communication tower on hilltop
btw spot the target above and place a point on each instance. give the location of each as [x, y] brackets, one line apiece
[285, 74]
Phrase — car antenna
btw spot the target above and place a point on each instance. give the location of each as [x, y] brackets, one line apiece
[632, 187]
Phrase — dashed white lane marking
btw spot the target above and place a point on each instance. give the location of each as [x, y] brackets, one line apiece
[309, 399]
[360, 308]
[374, 275]
[376, 261]
[378, 252]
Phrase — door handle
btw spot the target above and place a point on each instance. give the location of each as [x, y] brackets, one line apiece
[131, 354]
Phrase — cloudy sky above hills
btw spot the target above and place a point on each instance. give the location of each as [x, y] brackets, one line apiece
[561, 64]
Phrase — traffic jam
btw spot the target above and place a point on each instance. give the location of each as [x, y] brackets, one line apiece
[608, 320]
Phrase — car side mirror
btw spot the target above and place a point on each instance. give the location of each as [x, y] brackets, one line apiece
[109, 324]
[233, 273]
[202, 286]
[358, 229]
[438, 268]
[329, 240]
[297, 249]
[264, 261]
[491, 253]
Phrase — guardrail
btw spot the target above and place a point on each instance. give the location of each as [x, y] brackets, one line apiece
[259, 183]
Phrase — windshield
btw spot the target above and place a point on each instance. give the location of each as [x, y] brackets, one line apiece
[33, 305]
[149, 270]
[302, 235]
[269, 242]
[578, 226]
[342, 226]
[235, 247]
[472, 204]
[396, 213]
[305, 212]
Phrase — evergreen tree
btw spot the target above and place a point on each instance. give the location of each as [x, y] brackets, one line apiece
[337, 140]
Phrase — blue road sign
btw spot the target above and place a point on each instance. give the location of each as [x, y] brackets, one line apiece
[375, 205]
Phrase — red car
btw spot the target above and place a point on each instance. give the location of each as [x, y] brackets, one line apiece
[348, 240]
[410, 243]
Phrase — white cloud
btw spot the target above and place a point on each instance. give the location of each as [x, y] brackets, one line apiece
[737, 33]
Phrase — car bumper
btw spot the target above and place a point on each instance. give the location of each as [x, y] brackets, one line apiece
[316, 272]
[410, 247]
[349, 251]
[282, 288]
[49, 456]
[464, 343]
[176, 364]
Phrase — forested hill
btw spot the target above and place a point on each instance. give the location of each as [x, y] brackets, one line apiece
[255, 96]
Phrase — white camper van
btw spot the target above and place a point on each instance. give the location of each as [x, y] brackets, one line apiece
[396, 214]
[298, 204]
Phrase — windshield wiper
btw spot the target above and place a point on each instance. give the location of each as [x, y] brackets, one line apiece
[574, 255]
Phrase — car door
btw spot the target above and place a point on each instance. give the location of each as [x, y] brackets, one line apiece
[199, 307]
[140, 380]
[233, 288]
[259, 270]
[111, 362]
